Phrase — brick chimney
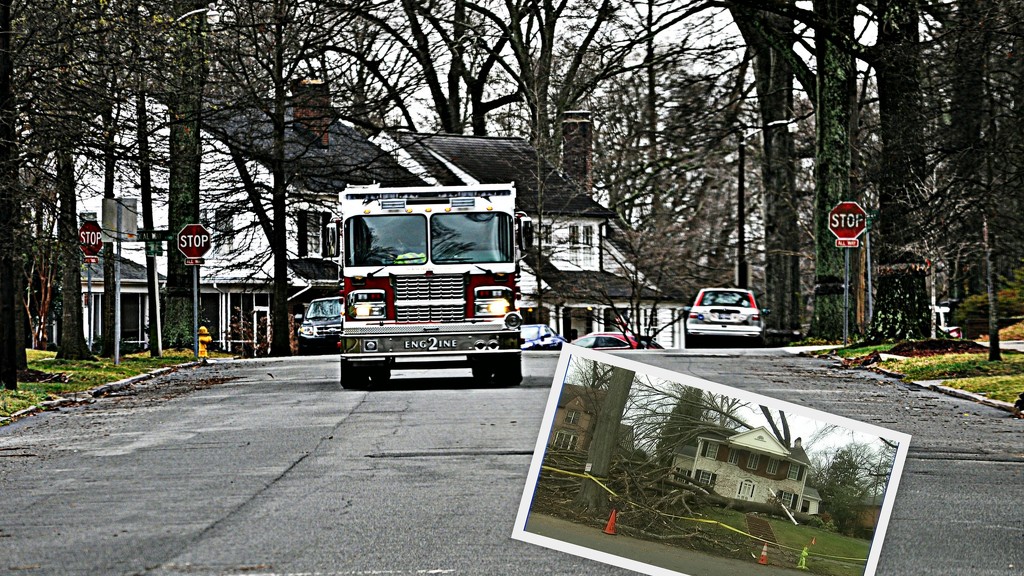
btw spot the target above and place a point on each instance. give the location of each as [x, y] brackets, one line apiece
[311, 107]
[578, 149]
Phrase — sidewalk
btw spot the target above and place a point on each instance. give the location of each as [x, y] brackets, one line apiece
[662, 556]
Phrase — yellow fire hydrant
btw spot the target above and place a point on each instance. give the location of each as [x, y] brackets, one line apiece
[204, 339]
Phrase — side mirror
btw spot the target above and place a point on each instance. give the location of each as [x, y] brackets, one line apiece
[298, 318]
[333, 247]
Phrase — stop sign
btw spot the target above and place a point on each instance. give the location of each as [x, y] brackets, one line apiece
[90, 237]
[194, 241]
[847, 220]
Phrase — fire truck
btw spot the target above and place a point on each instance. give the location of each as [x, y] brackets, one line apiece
[429, 278]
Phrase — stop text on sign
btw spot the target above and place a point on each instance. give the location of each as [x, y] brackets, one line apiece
[847, 221]
[90, 237]
[197, 241]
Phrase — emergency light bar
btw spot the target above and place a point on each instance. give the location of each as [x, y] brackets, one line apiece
[368, 197]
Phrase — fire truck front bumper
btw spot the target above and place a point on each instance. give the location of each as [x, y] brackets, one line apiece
[366, 345]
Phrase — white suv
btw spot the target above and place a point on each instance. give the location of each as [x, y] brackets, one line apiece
[724, 313]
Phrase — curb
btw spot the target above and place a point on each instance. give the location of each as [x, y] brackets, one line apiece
[937, 386]
[97, 392]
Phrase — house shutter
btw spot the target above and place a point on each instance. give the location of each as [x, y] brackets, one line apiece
[303, 233]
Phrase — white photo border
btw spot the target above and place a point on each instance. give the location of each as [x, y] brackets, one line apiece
[561, 372]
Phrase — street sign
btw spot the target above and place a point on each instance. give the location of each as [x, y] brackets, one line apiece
[194, 261]
[847, 243]
[847, 221]
[90, 238]
[154, 235]
[91, 259]
[194, 241]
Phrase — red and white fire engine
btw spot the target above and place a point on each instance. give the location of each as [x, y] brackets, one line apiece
[429, 278]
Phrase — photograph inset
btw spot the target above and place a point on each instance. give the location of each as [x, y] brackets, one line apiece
[664, 473]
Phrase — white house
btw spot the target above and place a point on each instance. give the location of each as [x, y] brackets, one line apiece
[579, 285]
[752, 466]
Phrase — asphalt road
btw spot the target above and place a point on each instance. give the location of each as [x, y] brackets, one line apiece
[269, 467]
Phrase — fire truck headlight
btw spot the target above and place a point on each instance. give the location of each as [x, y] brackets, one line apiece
[513, 321]
[369, 310]
[492, 301]
[498, 307]
[367, 304]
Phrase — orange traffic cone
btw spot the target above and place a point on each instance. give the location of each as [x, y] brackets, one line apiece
[764, 555]
[609, 528]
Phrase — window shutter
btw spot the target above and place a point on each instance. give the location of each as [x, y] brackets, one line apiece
[303, 233]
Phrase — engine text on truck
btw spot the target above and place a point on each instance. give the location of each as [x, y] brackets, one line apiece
[429, 278]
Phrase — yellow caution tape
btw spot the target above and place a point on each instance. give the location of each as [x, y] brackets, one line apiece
[700, 520]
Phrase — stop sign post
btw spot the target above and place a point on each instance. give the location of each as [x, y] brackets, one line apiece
[194, 243]
[847, 221]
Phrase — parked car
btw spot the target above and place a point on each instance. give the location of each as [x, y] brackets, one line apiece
[321, 326]
[607, 341]
[724, 313]
[540, 337]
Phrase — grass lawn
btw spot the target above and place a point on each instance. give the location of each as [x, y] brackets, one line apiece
[69, 376]
[796, 537]
[1002, 380]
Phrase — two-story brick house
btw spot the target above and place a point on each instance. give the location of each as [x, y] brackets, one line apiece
[751, 465]
[576, 418]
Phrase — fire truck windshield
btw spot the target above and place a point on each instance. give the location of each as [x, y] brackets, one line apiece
[385, 240]
[465, 237]
[475, 237]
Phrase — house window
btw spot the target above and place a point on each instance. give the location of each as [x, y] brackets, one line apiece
[565, 440]
[796, 472]
[545, 233]
[788, 499]
[705, 477]
[773, 466]
[572, 417]
[588, 236]
[746, 491]
[574, 234]
[753, 460]
[734, 457]
[710, 450]
[311, 227]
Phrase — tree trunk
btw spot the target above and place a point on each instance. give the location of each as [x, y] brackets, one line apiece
[8, 205]
[835, 77]
[592, 497]
[993, 303]
[72, 338]
[773, 79]
[902, 310]
[146, 193]
[183, 108]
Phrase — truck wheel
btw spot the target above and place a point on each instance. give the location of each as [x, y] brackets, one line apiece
[353, 378]
[509, 372]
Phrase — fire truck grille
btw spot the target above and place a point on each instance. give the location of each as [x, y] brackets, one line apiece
[438, 287]
[446, 313]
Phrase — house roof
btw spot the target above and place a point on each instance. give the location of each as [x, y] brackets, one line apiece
[591, 398]
[811, 494]
[348, 158]
[760, 440]
[589, 285]
[315, 270]
[130, 271]
[451, 159]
